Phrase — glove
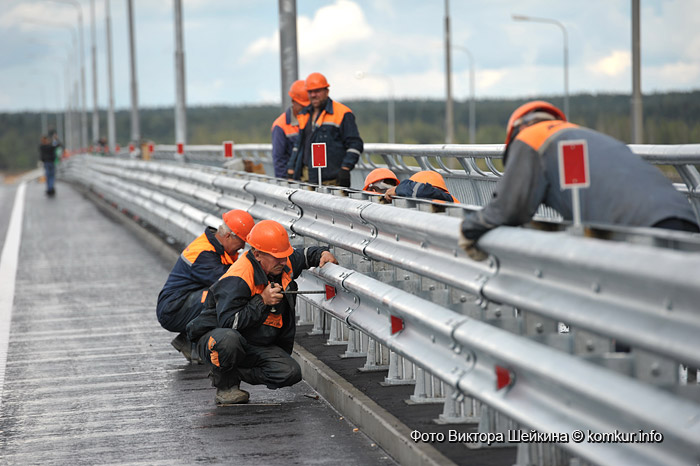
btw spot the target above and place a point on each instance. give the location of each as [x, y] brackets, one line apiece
[469, 246]
[343, 178]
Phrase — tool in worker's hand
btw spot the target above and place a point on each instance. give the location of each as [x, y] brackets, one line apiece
[303, 292]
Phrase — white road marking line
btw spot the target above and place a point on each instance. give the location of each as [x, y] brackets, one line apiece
[8, 273]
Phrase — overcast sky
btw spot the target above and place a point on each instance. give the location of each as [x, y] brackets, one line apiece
[232, 49]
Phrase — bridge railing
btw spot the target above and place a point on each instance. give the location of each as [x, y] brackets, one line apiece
[487, 332]
[470, 182]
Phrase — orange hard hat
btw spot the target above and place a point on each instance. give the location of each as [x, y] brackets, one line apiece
[379, 174]
[239, 221]
[270, 237]
[429, 176]
[534, 106]
[316, 81]
[298, 92]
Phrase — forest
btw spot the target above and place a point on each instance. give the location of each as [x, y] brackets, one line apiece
[669, 118]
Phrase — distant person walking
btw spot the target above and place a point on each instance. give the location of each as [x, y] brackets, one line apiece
[624, 189]
[47, 153]
[330, 122]
[285, 129]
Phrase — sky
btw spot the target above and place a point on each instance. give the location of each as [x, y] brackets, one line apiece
[232, 49]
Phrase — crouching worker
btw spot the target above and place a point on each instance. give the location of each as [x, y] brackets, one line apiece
[246, 331]
[200, 265]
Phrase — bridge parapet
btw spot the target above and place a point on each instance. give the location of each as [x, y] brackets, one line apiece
[468, 323]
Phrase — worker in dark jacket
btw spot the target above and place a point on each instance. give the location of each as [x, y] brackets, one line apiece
[47, 153]
[426, 184]
[246, 331]
[285, 129]
[202, 263]
[332, 123]
[624, 189]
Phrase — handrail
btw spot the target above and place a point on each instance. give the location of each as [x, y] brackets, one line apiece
[645, 295]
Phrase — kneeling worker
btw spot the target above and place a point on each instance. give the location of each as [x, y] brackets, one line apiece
[200, 265]
[246, 331]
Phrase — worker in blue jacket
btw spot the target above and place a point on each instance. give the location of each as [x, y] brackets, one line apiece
[202, 263]
[246, 331]
[624, 189]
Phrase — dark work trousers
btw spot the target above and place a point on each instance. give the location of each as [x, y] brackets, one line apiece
[50, 172]
[179, 314]
[232, 359]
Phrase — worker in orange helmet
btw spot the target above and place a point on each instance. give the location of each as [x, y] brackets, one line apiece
[285, 129]
[426, 184]
[246, 331]
[624, 189]
[202, 262]
[331, 123]
[380, 180]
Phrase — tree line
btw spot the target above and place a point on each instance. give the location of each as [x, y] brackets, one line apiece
[669, 118]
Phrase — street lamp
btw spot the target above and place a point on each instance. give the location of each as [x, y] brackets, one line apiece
[83, 114]
[472, 111]
[566, 52]
[72, 141]
[390, 111]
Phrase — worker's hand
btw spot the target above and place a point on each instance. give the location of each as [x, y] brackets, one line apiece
[343, 178]
[327, 257]
[272, 294]
[469, 246]
[290, 174]
[390, 193]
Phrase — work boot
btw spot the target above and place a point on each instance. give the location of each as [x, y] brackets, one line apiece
[183, 345]
[231, 396]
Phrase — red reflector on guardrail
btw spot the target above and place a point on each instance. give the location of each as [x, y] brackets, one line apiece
[504, 377]
[228, 149]
[396, 324]
[330, 292]
[180, 148]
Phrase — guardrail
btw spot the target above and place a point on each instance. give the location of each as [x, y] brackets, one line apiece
[465, 178]
[489, 332]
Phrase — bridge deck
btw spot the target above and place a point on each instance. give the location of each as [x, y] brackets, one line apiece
[90, 376]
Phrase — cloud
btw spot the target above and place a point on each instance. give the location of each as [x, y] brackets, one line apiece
[615, 64]
[332, 26]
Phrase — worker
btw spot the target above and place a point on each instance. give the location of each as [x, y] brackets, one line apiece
[329, 122]
[285, 129]
[624, 189]
[380, 180]
[201, 264]
[246, 331]
[426, 184]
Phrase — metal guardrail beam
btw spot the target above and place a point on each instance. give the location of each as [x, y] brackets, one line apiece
[642, 294]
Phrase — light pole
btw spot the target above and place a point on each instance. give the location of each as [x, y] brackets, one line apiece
[566, 52]
[135, 126]
[391, 109]
[95, 109]
[83, 113]
[449, 112]
[111, 124]
[180, 99]
[71, 140]
[472, 110]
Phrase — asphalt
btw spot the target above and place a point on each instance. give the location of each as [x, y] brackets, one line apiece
[91, 378]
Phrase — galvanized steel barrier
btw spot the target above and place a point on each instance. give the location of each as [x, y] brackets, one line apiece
[484, 338]
[470, 182]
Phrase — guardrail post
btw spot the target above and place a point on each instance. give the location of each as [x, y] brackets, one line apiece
[398, 375]
[354, 349]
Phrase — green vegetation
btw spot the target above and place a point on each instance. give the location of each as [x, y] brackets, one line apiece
[669, 118]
